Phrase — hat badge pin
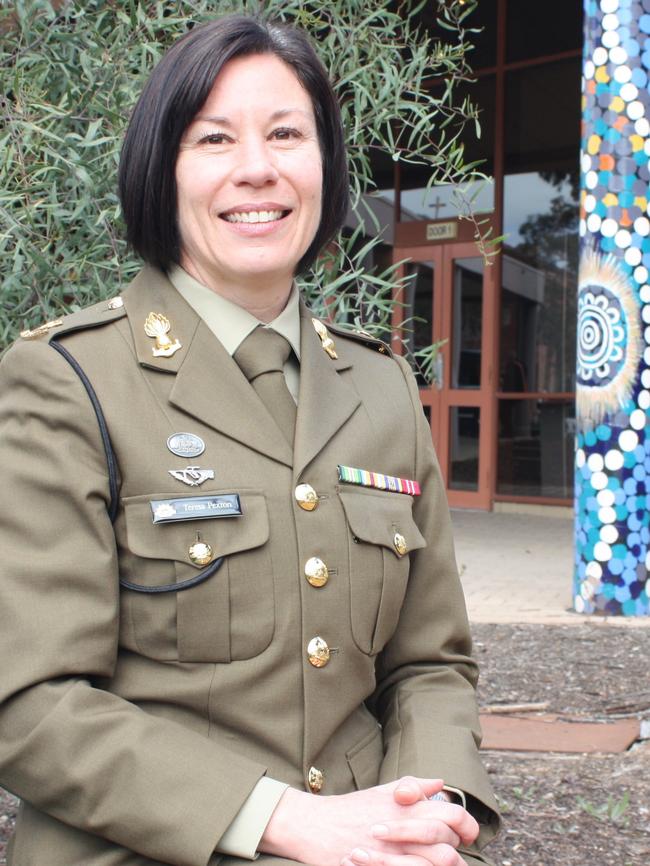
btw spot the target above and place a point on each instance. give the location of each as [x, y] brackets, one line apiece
[157, 326]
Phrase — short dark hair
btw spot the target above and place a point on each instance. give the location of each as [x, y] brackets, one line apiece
[177, 89]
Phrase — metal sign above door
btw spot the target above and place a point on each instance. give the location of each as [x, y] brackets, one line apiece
[442, 231]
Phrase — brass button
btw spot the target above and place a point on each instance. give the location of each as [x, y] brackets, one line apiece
[399, 543]
[200, 553]
[306, 497]
[315, 779]
[316, 571]
[318, 652]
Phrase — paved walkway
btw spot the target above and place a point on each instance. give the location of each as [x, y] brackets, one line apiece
[519, 567]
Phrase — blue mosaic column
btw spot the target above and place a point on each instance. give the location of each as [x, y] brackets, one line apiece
[612, 479]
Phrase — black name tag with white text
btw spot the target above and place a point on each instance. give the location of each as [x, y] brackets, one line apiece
[195, 508]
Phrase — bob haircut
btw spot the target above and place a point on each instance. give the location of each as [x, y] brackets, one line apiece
[175, 92]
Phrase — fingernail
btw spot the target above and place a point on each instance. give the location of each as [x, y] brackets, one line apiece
[404, 789]
[379, 831]
[360, 855]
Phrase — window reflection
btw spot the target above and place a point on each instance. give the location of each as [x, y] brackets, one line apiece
[418, 312]
[536, 439]
[537, 29]
[539, 278]
[540, 252]
[467, 323]
[442, 201]
[464, 428]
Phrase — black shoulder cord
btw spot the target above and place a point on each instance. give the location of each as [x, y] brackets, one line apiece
[111, 462]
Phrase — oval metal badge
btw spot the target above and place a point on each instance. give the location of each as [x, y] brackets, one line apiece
[186, 444]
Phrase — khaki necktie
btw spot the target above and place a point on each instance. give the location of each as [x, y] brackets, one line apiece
[261, 358]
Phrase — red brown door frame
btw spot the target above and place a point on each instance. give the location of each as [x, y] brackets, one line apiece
[442, 400]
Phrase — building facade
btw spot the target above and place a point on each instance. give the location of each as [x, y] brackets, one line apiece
[502, 407]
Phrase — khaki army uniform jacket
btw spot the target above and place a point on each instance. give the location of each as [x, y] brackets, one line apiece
[134, 724]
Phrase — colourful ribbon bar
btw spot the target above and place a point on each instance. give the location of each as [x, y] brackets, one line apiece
[376, 479]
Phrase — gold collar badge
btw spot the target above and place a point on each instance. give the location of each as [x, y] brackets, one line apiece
[326, 341]
[158, 326]
[33, 333]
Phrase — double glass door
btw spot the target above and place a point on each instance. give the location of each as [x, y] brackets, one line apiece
[450, 300]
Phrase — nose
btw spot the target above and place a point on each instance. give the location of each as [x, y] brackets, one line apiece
[256, 164]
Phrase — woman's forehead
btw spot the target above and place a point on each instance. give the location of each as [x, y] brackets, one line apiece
[256, 82]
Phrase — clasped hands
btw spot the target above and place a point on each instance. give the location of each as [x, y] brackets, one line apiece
[388, 825]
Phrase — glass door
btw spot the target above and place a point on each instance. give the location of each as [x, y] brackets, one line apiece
[451, 299]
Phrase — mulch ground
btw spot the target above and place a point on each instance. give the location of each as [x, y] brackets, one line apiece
[562, 809]
[558, 809]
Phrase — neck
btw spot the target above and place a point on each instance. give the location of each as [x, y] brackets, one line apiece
[264, 297]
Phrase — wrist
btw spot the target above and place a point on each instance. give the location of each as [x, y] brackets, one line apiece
[290, 815]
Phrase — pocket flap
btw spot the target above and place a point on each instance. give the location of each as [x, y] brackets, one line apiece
[376, 517]
[225, 535]
[365, 759]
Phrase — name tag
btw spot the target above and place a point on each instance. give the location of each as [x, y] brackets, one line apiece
[195, 508]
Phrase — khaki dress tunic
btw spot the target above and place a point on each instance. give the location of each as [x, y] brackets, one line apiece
[135, 725]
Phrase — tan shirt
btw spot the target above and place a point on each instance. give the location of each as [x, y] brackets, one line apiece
[231, 325]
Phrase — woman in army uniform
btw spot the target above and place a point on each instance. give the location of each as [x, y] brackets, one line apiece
[231, 618]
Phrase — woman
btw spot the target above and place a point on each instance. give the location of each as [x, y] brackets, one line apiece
[217, 641]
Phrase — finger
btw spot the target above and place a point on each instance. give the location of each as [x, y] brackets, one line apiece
[409, 790]
[417, 831]
[437, 855]
[370, 857]
[457, 818]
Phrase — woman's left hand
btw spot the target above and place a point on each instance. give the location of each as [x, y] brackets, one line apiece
[414, 831]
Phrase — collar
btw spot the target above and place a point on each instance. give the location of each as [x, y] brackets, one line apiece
[229, 322]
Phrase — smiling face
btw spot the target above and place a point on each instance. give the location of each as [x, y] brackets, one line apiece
[249, 179]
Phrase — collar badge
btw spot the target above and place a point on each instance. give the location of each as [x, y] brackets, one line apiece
[157, 327]
[326, 341]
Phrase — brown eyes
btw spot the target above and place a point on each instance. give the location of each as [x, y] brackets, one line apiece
[281, 134]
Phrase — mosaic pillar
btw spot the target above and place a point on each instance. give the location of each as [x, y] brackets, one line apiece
[612, 479]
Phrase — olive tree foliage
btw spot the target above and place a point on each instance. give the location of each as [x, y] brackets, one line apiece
[71, 70]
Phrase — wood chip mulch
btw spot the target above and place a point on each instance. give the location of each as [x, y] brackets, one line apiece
[558, 809]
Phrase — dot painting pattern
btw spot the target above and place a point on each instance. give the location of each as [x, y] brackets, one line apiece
[612, 468]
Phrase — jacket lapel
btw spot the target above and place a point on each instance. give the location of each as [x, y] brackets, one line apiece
[326, 400]
[208, 384]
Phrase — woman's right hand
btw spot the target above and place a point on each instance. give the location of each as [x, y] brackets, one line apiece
[328, 831]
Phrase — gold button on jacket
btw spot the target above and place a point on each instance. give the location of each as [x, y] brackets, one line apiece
[306, 497]
[123, 710]
[316, 571]
[316, 779]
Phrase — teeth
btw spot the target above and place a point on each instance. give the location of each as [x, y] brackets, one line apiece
[254, 216]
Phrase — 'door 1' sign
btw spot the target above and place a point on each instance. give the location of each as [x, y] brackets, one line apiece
[442, 231]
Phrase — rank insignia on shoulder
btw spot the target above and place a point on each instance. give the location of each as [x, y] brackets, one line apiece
[326, 341]
[378, 480]
[157, 326]
[115, 303]
[33, 333]
[192, 475]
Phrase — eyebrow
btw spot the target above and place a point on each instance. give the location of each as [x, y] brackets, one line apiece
[277, 115]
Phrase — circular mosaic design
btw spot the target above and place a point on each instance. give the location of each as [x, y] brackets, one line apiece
[601, 337]
[612, 484]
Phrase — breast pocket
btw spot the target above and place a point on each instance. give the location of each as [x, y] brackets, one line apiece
[228, 617]
[381, 535]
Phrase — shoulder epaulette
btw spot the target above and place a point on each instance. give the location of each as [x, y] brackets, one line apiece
[361, 336]
[89, 317]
